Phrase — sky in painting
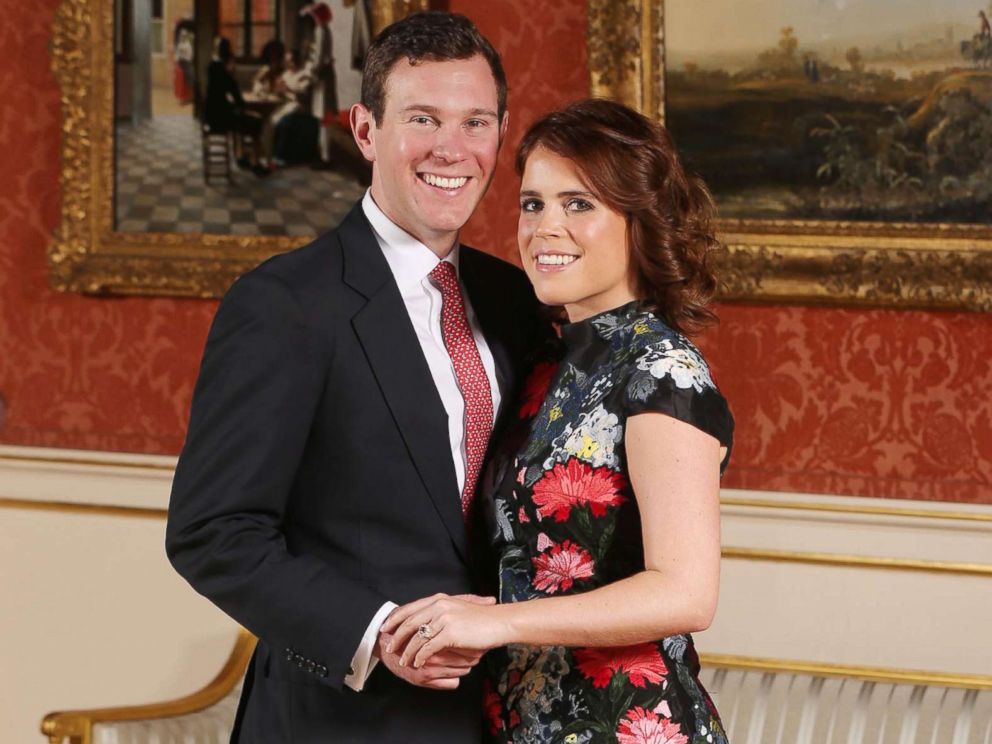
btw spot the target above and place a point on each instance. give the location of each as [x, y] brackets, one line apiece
[694, 28]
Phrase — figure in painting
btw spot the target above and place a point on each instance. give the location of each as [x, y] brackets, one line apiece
[320, 67]
[184, 82]
[979, 49]
[273, 65]
[293, 128]
[224, 109]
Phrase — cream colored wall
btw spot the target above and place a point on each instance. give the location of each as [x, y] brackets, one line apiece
[93, 615]
[916, 619]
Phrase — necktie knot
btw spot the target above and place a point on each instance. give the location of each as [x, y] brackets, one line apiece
[444, 277]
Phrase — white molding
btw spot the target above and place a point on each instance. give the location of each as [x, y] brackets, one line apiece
[783, 521]
[84, 477]
[929, 534]
[936, 508]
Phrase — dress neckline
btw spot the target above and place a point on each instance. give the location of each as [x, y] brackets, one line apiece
[584, 331]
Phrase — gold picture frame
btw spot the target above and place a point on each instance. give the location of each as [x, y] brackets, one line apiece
[905, 265]
[87, 254]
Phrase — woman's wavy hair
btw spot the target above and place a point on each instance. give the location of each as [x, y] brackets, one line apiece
[630, 163]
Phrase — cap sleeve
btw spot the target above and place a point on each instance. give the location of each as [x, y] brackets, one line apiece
[670, 376]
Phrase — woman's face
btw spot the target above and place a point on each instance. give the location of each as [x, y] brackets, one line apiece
[573, 247]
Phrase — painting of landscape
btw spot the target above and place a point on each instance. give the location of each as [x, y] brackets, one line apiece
[865, 110]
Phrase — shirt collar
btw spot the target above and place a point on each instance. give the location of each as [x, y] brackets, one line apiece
[409, 259]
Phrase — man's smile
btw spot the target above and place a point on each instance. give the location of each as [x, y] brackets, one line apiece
[450, 184]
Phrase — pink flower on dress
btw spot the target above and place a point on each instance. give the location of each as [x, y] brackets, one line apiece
[543, 542]
[576, 484]
[641, 726]
[558, 568]
[522, 516]
[641, 663]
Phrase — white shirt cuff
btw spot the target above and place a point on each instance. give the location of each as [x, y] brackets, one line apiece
[363, 662]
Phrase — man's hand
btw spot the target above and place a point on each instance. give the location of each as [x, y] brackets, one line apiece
[443, 671]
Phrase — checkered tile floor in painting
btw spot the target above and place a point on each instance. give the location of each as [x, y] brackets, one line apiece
[160, 188]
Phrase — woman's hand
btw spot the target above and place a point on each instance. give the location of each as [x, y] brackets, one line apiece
[465, 622]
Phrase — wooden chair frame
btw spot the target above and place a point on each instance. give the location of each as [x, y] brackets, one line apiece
[77, 725]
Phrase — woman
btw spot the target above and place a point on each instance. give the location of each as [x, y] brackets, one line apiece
[183, 40]
[291, 132]
[266, 81]
[605, 497]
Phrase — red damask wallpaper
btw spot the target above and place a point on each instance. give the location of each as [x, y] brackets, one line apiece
[872, 403]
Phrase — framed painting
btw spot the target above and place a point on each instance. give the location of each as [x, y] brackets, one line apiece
[848, 145]
[202, 136]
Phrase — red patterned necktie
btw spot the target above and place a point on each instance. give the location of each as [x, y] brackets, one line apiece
[471, 375]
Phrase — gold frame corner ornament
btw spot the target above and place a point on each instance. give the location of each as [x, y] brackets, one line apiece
[86, 254]
[904, 265]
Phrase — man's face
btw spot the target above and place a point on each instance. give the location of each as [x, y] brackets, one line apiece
[434, 151]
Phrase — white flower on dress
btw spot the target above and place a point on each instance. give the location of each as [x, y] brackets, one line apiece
[591, 439]
[600, 388]
[684, 365]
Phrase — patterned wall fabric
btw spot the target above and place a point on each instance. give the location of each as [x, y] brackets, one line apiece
[870, 403]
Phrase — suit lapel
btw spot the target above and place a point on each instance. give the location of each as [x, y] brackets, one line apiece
[390, 343]
[492, 320]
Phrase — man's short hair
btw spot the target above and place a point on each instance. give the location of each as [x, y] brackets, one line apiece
[434, 36]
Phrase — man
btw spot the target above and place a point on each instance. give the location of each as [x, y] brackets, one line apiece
[344, 403]
[320, 67]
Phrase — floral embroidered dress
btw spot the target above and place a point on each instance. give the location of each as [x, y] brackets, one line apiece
[565, 521]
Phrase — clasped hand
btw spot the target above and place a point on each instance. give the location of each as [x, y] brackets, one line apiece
[461, 630]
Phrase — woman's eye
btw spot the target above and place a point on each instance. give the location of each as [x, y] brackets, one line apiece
[531, 205]
[577, 205]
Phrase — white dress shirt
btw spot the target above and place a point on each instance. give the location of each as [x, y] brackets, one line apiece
[411, 262]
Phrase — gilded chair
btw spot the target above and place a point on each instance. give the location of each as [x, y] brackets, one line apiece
[205, 717]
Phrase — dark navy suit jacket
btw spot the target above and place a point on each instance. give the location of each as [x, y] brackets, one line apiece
[316, 483]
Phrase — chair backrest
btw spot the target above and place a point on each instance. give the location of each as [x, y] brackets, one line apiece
[202, 717]
[211, 725]
[773, 702]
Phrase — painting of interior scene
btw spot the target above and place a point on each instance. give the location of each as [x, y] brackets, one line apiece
[231, 116]
[867, 110]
